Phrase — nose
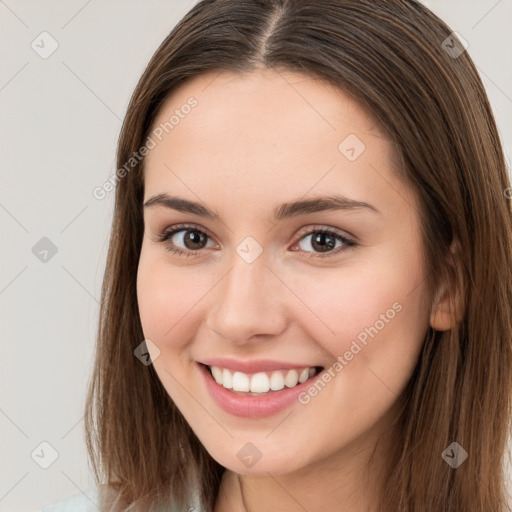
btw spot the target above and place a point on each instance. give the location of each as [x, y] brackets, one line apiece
[247, 302]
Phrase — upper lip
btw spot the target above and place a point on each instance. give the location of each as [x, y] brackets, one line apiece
[253, 366]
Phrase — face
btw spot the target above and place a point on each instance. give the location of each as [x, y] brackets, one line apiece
[335, 285]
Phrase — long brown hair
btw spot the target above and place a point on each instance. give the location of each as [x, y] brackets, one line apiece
[392, 57]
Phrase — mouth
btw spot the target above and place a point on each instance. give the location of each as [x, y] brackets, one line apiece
[261, 383]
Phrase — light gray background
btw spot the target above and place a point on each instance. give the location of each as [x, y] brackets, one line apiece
[59, 123]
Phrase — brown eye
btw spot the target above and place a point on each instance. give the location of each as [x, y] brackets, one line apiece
[184, 240]
[193, 239]
[323, 241]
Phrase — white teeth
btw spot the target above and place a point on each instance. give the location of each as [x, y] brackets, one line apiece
[217, 374]
[227, 379]
[276, 381]
[261, 382]
[240, 381]
[304, 375]
[291, 379]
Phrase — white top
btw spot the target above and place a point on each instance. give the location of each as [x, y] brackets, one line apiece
[87, 501]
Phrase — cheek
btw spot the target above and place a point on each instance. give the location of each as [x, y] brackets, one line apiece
[366, 311]
[165, 296]
[378, 329]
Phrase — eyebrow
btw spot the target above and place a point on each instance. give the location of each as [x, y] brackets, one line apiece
[283, 211]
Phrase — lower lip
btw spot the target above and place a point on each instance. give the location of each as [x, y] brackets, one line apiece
[251, 406]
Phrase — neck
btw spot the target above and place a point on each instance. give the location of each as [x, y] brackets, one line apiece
[345, 481]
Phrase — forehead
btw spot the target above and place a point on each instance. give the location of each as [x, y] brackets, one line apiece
[266, 131]
[269, 96]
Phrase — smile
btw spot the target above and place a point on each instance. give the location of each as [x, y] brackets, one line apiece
[260, 383]
[239, 400]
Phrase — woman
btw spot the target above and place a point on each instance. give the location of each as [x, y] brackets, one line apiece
[306, 304]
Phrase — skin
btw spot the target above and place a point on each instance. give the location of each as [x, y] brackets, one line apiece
[255, 141]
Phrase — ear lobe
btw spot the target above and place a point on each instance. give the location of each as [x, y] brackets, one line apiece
[447, 310]
[442, 318]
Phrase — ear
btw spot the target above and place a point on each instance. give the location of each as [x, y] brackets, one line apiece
[447, 310]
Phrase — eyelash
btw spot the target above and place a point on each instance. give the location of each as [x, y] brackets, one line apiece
[168, 233]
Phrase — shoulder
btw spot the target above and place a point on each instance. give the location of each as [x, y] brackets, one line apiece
[86, 501]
